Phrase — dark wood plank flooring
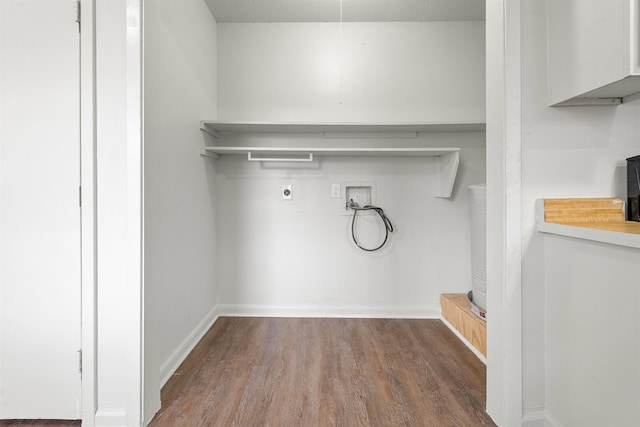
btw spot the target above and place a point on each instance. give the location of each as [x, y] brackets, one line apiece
[326, 372]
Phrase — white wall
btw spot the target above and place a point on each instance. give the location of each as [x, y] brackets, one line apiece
[384, 72]
[567, 152]
[39, 210]
[296, 257]
[179, 186]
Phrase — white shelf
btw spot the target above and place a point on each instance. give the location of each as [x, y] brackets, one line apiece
[448, 159]
[332, 151]
[215, 128]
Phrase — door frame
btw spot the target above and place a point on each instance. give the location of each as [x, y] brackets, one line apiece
[504, 212]
[504, 248]
[88, 220]
[94, 358]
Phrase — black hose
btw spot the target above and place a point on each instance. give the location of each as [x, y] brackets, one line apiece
[385, 219]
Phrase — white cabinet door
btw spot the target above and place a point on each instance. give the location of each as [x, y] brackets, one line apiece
[593, 51]
[39, 210]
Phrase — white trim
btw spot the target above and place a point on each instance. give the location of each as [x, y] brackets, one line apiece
[634, 39]
[504, 216]
[88, 211]
[110, 418]
[151, 411]
[429, 311]
[511, 295]
[168, 368]
[615, 238]
[550, 420]
[534, 418]
[464, 340]
[133, 307]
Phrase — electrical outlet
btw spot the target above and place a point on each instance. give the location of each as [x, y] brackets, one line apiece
[335, 191]
[287, 194]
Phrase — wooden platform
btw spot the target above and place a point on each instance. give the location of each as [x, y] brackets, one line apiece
[457, 311]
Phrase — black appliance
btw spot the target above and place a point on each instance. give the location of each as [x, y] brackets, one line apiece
[633, 188]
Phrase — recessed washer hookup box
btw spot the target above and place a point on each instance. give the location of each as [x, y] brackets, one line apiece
[633, 188]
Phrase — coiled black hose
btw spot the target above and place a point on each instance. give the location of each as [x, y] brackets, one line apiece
[385, 219]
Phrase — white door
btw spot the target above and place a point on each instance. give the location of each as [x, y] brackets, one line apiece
[39, 210]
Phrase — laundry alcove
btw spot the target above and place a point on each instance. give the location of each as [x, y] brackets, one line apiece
[220, 239]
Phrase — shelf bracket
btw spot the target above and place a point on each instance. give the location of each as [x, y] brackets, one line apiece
[447, 169]
[205, 129]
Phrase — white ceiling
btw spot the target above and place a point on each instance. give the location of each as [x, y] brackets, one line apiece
[352, 10]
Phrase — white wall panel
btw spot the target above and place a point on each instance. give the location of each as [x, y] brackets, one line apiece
[364, 72]
[298, 255]
[180, 195]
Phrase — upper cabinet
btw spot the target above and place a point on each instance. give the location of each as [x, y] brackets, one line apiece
[593, 52]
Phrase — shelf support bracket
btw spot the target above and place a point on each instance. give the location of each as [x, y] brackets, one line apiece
[205, 129]
[447, 169]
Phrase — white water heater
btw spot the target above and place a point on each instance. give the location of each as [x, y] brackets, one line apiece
[478, 215]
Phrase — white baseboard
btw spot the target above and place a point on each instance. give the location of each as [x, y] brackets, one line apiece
[534, 418]
[177, 357]
[539, 417]
[151, 412]
[465, 341]
[431, 311]
[110, 418]
[550, 420]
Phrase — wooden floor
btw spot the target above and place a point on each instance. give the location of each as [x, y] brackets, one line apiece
[326, 372]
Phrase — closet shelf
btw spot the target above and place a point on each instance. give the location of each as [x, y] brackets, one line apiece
[447, 164]
[215, 128]
[330, 151]
[447, 159]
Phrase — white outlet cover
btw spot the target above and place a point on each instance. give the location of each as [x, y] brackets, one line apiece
[335, 191]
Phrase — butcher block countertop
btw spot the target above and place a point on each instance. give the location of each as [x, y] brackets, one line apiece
[596, 219]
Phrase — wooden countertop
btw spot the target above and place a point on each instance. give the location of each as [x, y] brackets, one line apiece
[597, 219]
